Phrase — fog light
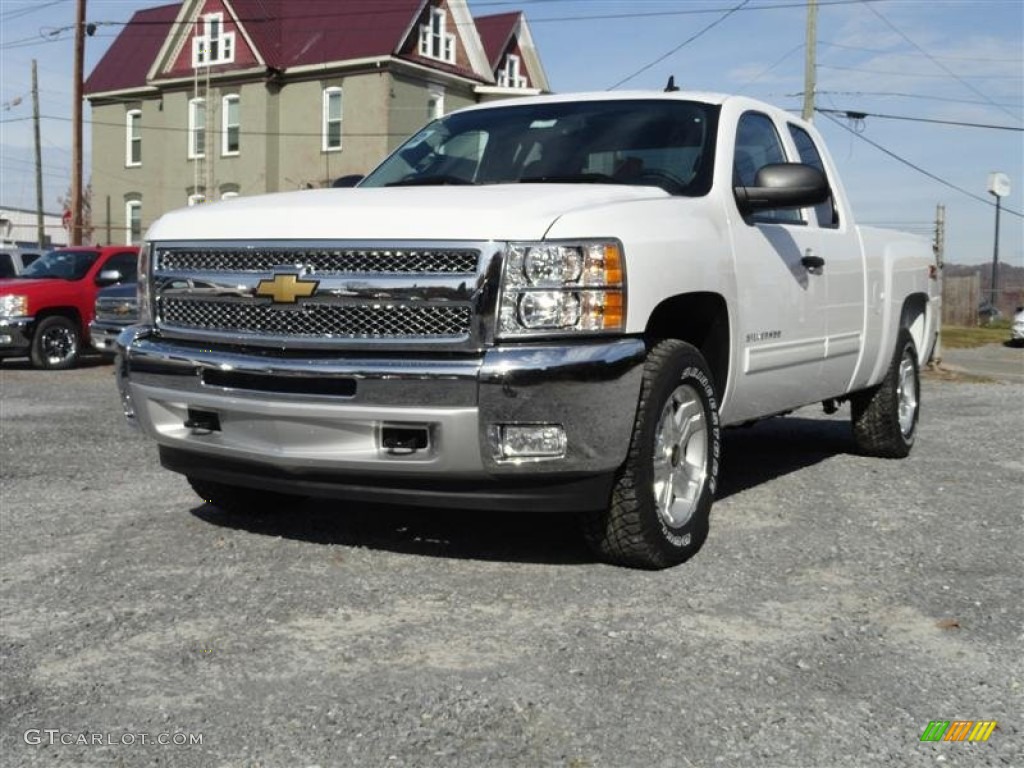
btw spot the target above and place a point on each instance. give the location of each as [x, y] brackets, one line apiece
[528, 441]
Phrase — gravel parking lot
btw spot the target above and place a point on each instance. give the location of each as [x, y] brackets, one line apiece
[840, 605]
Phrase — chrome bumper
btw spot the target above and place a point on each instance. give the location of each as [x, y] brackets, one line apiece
[590, 388]
[103, 336]
[15, 335]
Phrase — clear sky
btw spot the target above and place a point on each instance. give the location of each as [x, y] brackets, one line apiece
[936, 60]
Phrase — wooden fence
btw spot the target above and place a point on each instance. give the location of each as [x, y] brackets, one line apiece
[960, 299]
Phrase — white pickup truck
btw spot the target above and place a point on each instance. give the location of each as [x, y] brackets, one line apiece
[552, 303]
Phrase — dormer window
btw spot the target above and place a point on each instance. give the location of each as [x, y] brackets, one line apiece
[214, 46]
[508, 76]
[435, 42]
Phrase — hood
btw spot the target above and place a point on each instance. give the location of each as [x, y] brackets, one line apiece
[34, 285]
[492, 212]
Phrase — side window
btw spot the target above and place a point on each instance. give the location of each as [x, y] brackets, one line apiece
[758, 145]
[826, 212]
[125, 263]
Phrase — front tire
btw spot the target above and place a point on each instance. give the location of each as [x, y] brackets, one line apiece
[885, 418]
[237, 500]
[658, 515]
[56, 343]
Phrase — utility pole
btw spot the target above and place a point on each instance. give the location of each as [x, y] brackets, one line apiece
[940, 235]
[810, 64]
[40, 231]
[76, 127]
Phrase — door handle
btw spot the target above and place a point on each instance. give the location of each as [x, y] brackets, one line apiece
[812, 262]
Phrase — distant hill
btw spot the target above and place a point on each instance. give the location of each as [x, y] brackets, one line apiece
[1010, 277]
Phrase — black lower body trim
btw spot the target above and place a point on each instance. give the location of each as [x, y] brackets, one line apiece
[542, 493]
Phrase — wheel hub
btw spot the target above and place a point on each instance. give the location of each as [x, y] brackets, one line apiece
[906, 395]
[680, 456]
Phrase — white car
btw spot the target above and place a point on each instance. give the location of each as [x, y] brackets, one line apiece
[1017, 329]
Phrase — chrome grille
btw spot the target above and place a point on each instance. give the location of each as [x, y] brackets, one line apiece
[322, 261]
[319, 320]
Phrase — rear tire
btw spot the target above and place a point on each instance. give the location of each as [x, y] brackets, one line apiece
[658, 514]
[885, 418]
[241, 501]
[56, 343]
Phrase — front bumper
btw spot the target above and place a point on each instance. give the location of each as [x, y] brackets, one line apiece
[103, 335]
[15, 335]
[278, 430]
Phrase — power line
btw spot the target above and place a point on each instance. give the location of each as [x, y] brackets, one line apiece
[922, 74]
[938, 63]
[858, 115]
[900, 95]
[683, 44]
[20, 12]
[898, 53]
[918, 168]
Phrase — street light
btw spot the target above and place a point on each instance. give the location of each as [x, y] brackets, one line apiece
[999, 186]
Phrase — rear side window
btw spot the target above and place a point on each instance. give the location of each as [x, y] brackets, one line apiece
[6, 265]
[826, 212]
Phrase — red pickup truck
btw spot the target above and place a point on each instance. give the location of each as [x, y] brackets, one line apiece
[46, 310]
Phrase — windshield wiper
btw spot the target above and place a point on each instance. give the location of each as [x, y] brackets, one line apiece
[431, 181]
[572, 178]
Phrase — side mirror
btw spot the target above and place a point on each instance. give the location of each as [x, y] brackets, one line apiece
[347, 181]
[109, 277]
[783, 185]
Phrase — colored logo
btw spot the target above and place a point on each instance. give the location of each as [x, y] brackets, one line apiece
[286, 289]
[958, 730]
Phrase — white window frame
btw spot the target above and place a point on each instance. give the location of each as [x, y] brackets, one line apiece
[196, 199]
[227, 125]
[132, 137]
[195, 130]
[213, 36]
[230, 195]
[509, 76]
[435, 102]
[131, 235]
[329, 93]
[435, 40]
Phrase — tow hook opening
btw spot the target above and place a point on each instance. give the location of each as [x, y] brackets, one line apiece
[202, 422]
[404, 439]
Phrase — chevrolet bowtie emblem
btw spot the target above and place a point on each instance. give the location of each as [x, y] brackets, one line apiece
[286, 289]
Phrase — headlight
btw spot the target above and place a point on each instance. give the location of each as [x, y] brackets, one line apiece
[557, 287]
[145, 294]
[13, 306]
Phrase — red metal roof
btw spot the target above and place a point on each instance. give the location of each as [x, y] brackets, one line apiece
[286, 33]
[129, 58]
[495, 33]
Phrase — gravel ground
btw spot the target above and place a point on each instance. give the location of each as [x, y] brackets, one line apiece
[840, 604]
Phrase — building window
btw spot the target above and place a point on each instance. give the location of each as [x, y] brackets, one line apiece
[196, 199]
[509, 76]
[228, 195]
[214, 46]
[231, 126]
[332, 119]
[435, 41]
[133, 138]
[133, 222]
[196, 128]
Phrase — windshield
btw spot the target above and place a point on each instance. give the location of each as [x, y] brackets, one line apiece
[66, 265]
[655, 142]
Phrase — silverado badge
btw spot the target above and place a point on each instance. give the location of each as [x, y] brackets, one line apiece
[286, 289]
